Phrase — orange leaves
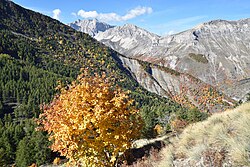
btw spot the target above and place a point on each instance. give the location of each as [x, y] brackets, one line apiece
[90, 123]
[203, 96]
[158, 129]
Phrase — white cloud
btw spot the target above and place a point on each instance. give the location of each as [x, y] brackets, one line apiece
[56, 14]
[137, 12]
[89, 14]
[109, 17]
[114, 16]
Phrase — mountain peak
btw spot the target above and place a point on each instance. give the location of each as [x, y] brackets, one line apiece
[91, 27]
[88, 21]
[223, 24]
[220, 44]
[129, 25]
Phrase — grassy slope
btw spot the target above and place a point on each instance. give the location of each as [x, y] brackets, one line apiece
[221, 139]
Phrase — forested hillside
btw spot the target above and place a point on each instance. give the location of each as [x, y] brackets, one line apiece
[35, 53]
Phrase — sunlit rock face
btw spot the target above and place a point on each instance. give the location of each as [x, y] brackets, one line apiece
[216, 52]
[91, 27]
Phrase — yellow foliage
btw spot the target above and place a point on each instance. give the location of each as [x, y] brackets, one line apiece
[90, 123]
[56, 161]
[33, 165]
[158, 129]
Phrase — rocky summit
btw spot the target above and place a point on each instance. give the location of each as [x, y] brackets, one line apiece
[216, 52]
[91, 27]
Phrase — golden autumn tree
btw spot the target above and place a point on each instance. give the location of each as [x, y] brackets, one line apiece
[91, 122]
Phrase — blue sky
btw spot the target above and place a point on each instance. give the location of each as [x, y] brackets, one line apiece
[159, 16]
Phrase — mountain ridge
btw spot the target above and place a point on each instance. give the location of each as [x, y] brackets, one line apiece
[91, 27]
[221, 45]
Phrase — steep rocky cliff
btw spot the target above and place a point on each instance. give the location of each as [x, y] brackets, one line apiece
[216, 52]
[183, 88]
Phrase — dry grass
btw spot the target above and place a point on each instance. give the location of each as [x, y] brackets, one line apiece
[223, 139]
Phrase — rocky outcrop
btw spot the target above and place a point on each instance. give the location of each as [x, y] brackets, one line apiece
[216, 52]
[91, 27]
[129, 40]
[183, 88]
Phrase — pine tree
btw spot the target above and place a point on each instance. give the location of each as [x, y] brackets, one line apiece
[24, 154]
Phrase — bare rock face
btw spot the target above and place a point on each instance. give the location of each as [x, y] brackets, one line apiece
[216, 52]
[180, 87]
[129, 40]
[91, 27]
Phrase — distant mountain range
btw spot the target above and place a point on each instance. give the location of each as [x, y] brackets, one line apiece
[216, 52]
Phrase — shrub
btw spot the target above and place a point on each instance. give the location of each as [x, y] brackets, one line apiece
[198, 57]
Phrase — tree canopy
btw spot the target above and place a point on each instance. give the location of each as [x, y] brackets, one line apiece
[91, 122]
